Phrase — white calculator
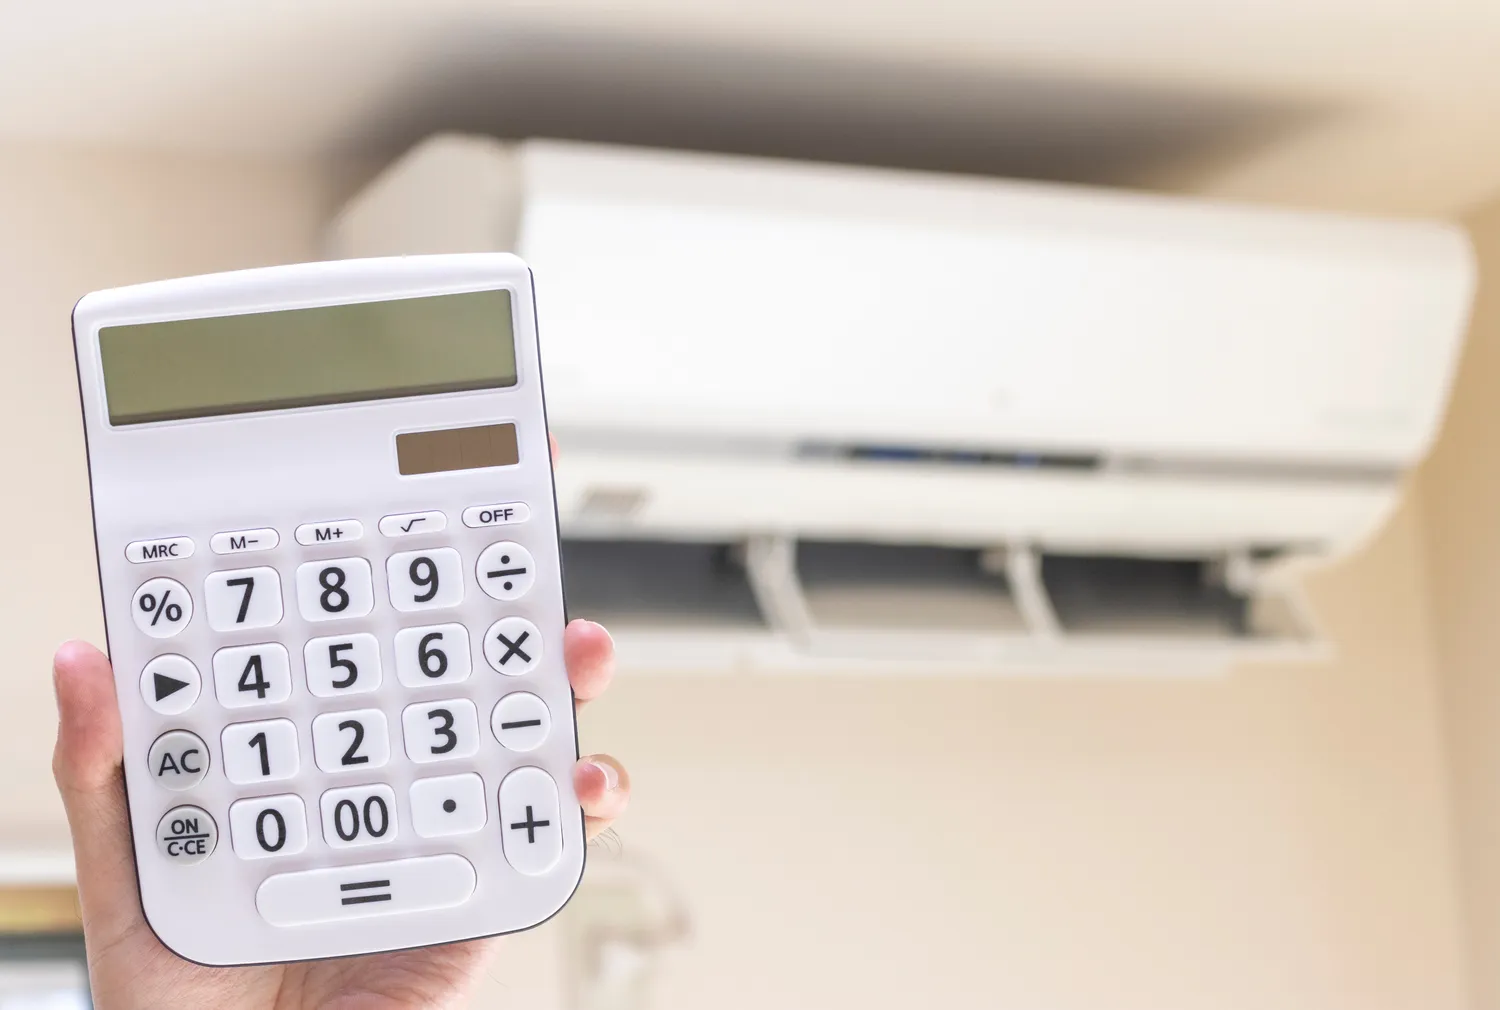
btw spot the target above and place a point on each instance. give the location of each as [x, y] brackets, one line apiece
[328, 551]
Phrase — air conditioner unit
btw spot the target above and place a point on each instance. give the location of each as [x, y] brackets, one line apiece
[823, 417]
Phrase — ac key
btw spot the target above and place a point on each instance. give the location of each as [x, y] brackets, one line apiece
[513, 646]
[178, 760]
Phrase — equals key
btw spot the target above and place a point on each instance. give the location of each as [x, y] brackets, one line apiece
[374, 890]
[342, 893]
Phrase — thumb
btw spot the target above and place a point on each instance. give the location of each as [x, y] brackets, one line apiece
[87, 766]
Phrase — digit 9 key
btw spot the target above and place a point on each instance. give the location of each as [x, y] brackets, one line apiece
[328, 553]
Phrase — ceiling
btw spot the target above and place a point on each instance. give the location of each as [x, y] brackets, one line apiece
[1371, 105]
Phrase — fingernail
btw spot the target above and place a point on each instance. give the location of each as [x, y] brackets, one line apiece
[611, 777]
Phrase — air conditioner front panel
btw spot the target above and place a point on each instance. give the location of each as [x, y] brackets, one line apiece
[706, 498]
[1135, 420]
[786, 302]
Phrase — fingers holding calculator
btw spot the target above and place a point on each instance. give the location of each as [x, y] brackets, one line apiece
[131, 968]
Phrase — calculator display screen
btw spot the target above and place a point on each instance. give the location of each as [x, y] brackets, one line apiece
[305, 357]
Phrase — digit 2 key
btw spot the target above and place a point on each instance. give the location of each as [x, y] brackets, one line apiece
[324, 514]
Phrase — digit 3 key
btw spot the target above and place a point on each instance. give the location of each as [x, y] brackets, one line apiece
[324, 516]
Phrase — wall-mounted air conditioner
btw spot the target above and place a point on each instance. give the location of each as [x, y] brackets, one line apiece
[820, 417]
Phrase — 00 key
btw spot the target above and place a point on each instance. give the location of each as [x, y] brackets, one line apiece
[358, 815]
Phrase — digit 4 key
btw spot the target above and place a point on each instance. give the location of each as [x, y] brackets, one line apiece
[328, 552]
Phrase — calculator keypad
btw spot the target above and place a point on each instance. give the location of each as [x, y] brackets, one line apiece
[355, 735]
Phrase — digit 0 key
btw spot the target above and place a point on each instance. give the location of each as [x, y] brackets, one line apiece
[301, 477]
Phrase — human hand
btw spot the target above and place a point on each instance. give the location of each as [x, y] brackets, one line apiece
[129, 969]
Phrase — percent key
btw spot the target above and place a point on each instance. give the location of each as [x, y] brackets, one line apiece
[162, 607]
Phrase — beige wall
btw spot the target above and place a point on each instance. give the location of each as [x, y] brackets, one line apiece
[1460, 489]
[71, 222]
[1278, 838]
[1275, 839]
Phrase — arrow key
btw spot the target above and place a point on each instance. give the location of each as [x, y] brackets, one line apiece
[170, 685]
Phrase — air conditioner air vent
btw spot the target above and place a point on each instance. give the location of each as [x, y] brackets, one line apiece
[1094, 594]
[778, 603]
[853, 584]
[659, 584]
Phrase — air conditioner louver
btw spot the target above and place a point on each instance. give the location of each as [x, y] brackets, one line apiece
[853, 606]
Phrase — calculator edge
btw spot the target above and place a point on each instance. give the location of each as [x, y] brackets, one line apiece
[108, 302]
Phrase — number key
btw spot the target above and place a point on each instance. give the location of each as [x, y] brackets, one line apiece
[249, 675]
[440, 730]
[358, 815]
[437, 654]
[256, 752]
[351, 741]
[334, 589]
[425, 580]
[243, 598]
[268, 826]
[342, 664]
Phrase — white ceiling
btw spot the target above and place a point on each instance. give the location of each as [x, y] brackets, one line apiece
[1378, 105]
